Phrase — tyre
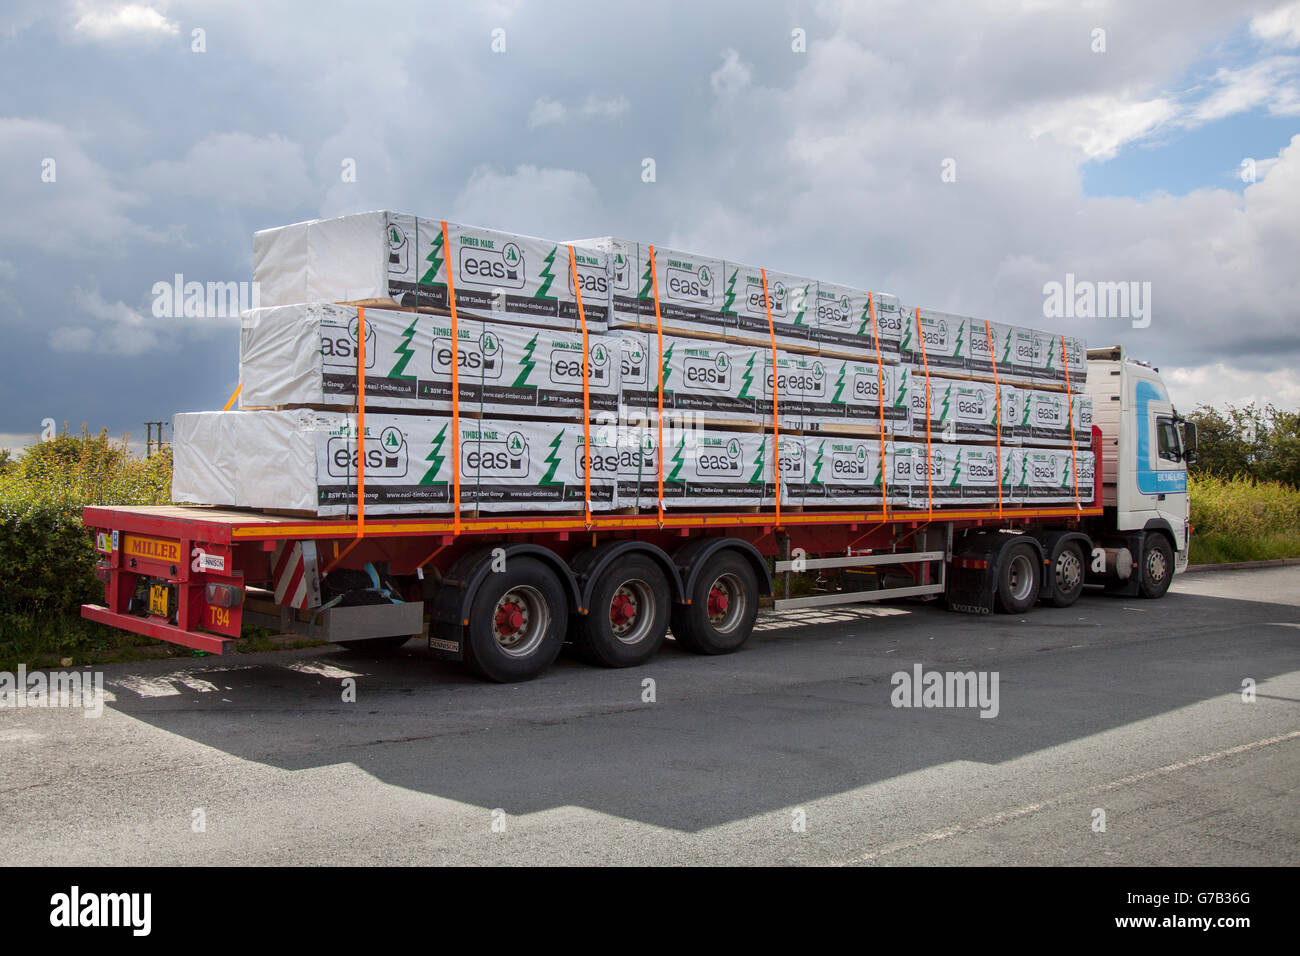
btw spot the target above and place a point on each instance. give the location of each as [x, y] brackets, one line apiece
[628, 619]
[1067, 572]
[1157, 571]
[517, 622]
[1018, 579]
[724, 603]
[375, 645]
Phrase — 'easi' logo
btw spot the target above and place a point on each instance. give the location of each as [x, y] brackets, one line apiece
[399, 251]
[689, 285]
[632, 364]
[604, 460]
[482, 357]
[970, 405]
[935, 333]
[482, 265]
[981, 469]
[833, 311]
[1049, 413]
[718, 458]
[793, 460]
[712, 373]
[866, 387]
[339, 345]
[849, 465]
[778, 296]
[386, 455]
[566, 366]
[801, 379]
[496, 457]
[591, 278]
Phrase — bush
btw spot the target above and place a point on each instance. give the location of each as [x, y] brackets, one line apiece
[47, 559]
[1240, 519]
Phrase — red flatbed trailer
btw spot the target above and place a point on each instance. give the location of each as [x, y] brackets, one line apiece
[194, 575]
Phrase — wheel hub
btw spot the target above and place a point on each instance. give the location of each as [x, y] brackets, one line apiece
[718, 601]
[621, 610]
[509, 618]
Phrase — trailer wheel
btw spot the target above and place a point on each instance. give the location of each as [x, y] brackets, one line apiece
[628, 619]
[724, 603]
[1067, 571]
[1018, 580]
[517, 622]
[1157, 566]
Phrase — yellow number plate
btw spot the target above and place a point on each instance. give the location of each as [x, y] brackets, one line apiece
[158, 599]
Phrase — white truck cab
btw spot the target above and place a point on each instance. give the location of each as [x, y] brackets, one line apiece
[1146, 447]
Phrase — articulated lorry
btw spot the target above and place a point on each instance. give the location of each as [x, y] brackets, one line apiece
[505, 593]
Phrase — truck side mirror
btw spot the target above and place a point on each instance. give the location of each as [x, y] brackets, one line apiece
[1189, 441]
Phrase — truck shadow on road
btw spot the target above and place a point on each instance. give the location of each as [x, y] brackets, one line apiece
[802, 713]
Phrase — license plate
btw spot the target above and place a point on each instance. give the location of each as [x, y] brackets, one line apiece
[159, 595]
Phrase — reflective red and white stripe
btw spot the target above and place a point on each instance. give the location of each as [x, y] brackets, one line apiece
[297, 583]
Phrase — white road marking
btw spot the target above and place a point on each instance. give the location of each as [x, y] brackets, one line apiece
[319, 669]
[998, 819]
[147, 687]
[1284, 623]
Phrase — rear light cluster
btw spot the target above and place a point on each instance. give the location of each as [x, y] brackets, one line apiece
[224, 595]
[972, 564]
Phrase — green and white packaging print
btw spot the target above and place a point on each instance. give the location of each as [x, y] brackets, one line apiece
[792, 300]
[308, 460]
[829, 471]
[702, 468]
[857, 390]
[964, 474]
[307, 355]
[701, 378]
[1046, 475]
[962, 410]
[499, 276]
[1045, 418]
[945, 339]
[1081, 420]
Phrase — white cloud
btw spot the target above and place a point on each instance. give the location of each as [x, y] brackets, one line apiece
[268, 172]
[1272, 83]
[732, 77]
[542, 202]
[1281, 25]
[605, 108]
[114, 21]
[117, 329]
[1219, 384]
[544, 112]
[1099, 125]
[80, 208]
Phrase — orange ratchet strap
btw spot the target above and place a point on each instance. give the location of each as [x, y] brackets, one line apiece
[880, 385]
[361, 422]
[776, 421]
[1069, 417]
[233, 395]
[929, 469]
[659, 330]
[455, 386]
[586, 391]
[997, 392]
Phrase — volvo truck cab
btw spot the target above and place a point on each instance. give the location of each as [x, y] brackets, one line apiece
[1146, 448]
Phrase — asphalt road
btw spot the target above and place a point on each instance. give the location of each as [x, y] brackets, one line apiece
[1129, 707]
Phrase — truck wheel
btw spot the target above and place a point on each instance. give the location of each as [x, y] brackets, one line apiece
[724, 603]
[1067, 571]
[516, 622]
[1157, 566]
[628, 619]
[1018, 580]
[375, 645]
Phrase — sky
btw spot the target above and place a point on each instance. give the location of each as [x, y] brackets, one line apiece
[961, 155]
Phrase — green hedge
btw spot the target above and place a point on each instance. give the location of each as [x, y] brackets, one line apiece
[1239, 519]
[47, 560]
